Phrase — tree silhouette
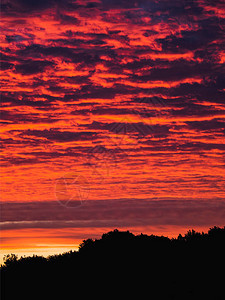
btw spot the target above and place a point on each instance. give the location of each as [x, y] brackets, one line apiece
[121, 264]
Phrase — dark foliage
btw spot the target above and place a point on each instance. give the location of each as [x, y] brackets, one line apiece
[122, 265]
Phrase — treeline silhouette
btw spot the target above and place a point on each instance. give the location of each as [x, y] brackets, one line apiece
[123, 265]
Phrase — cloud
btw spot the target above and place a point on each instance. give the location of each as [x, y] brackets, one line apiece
[191, 40]
[193, 109]
[79, 72]
[208, 125]
[26, 6]
[14, 118]
[31, 67]
[25, 99]
[60, 136]
[125, 128]
[67, 19]
[198, 91]
[178, 70]
[15, 38]
[6, 66]
[39, 51]
[111, 212]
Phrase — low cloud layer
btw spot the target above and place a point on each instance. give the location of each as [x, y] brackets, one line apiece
[112, 213]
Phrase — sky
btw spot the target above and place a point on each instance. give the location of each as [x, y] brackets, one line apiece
[112, 116]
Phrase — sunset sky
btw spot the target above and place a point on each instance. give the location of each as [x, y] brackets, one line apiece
[113, 116]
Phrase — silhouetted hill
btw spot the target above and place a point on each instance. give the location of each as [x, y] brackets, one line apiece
[123, 265]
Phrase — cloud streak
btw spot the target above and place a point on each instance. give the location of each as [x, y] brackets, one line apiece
[126, 212]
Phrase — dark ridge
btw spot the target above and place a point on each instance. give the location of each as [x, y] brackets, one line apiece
[123, 265]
